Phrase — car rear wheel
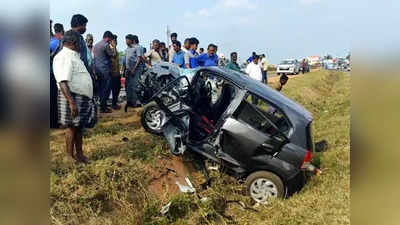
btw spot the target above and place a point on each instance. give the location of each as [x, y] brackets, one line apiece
[264, 186]
[153, 118]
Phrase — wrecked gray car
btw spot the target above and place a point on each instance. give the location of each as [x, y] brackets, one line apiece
[252, 131]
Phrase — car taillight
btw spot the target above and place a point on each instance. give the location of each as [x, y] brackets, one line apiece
[307, 158]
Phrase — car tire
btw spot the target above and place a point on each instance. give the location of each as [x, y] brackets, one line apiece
[151, 118]
[263, 186]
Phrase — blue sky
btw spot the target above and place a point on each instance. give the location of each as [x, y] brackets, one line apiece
[280, 28]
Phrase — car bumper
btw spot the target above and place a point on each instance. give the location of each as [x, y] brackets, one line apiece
[285, 71]
[297, 182]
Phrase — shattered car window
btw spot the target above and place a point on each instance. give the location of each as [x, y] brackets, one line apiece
[260, 116]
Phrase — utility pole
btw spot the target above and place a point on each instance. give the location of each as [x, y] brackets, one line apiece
[168, 35]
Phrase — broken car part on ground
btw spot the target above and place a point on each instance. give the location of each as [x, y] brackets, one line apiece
[253, 131]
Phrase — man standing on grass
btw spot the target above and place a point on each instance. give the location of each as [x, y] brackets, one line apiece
[76, 107]
[253, 69]
[233, 65]
[134, 68]
[264, 68]
[78, 23]
[115, 73]
[54, 44]
[102, 67]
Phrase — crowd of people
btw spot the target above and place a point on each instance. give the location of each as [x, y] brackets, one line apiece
[84, 75]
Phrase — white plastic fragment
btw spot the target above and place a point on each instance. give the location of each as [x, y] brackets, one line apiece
[165, 208]
[186, 188]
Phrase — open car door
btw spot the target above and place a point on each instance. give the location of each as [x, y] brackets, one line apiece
[173, 99]
[250, 134]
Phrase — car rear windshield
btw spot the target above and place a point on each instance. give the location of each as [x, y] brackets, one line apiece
[260, 114]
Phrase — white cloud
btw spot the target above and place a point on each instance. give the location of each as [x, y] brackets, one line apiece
[237, 12]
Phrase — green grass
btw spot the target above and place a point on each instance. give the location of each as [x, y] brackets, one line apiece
[113, 189]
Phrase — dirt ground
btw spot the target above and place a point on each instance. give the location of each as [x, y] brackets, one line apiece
[163, 183]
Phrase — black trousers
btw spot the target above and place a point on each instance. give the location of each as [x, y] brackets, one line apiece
[53, 102]
[115, 88]
[104, 89]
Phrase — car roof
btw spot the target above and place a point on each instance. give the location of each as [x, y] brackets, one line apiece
[261, 90]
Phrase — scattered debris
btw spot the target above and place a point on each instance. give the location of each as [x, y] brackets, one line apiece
[215, 168]
[242, 205]
[321, 146]
[165, 208]
[168, 170]
[204, 199]
[188, 182]
[186, 188]
[171, 170]
[125, 139]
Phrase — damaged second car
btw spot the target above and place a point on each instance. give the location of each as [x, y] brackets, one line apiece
[257, 134]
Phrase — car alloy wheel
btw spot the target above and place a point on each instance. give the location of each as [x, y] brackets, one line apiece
[153, 119]
[264, 186]
[262, 190]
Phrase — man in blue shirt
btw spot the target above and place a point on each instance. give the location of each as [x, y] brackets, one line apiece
[179, 55]
[209, 58]
[190, 56]
[250, 59]
[55, 40]
[78, 23]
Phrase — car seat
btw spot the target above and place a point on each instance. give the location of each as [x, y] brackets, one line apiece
[223, 102]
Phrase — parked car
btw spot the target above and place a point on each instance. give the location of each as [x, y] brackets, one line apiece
[288, 66]
[268, 144]
[330, 66]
